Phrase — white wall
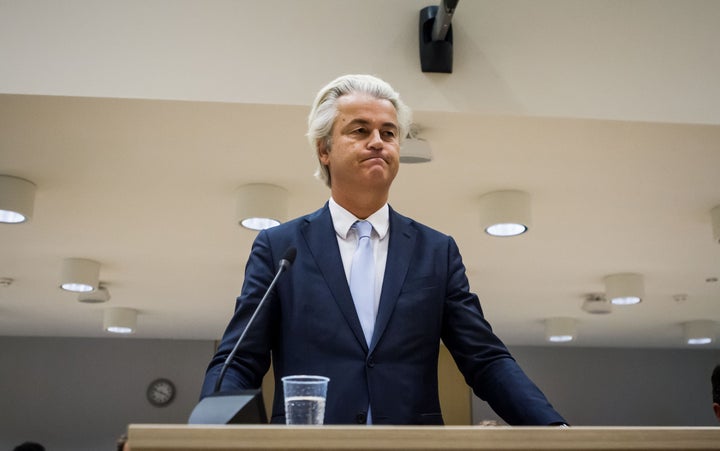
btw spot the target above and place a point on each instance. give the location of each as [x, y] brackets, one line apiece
[620, 387]
[561, 58]
[79, 394]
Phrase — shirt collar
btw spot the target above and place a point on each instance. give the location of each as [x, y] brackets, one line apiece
[343, 219]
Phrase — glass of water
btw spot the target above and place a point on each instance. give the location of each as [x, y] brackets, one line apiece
[305, 399]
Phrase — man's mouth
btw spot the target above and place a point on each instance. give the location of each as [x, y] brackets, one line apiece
[377, 157]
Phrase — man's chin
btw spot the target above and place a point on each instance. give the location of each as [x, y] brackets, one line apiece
[381, 169]
[383, 179]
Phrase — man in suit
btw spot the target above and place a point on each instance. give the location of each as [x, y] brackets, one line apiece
[379, 349]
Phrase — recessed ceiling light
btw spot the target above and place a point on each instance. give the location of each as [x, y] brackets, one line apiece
[505, 213]
[17, 199]
[261, 206]
[120, 320]
[79, 275]
[624, 289]
[560, 330]
[699, 332]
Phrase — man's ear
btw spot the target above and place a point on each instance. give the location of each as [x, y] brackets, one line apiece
[323, 151]
[716, 408]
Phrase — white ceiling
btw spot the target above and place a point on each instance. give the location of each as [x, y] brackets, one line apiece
[138, 120]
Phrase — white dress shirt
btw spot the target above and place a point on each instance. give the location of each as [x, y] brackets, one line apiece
[347, 242]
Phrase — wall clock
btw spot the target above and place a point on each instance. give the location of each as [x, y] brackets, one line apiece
[161, 392]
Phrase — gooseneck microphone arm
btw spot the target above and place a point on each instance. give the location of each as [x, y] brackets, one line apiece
[285, 263]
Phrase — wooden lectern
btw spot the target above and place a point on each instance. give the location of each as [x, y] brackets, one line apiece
[150, 437]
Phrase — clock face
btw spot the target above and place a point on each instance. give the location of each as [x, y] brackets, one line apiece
[161, 392]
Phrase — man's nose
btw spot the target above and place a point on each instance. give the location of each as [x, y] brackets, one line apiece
[375, 141]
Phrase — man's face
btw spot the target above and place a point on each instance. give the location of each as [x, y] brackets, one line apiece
[365, 150]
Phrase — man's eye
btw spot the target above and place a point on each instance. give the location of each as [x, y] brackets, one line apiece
[389, 134]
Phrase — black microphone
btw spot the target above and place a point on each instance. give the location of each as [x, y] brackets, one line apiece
[284, 264]
[219, 409]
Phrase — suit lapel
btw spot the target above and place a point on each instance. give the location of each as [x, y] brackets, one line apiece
[400, 249]
[319, 235]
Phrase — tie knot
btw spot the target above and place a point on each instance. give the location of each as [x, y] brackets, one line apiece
[363, 229]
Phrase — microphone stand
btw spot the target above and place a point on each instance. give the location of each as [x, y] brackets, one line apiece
[242, 406]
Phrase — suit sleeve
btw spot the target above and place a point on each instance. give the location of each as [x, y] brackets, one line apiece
[483, 359]
[253, 357]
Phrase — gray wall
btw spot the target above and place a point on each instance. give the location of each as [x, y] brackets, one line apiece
[620, 387]
[79, 394]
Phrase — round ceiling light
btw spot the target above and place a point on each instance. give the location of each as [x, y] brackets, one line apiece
[505, 213]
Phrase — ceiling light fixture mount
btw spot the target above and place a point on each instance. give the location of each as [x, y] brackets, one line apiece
[95, 297]
[680, 298]
[505, 213]
[624, 288]
[596, 304]
[17, 199]
[415, 149]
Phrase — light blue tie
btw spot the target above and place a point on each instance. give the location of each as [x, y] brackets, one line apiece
[362, 279]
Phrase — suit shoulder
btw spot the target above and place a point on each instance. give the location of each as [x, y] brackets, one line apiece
[420, 227]
[294, 224]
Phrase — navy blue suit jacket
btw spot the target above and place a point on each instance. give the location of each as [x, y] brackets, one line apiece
[310, 327]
